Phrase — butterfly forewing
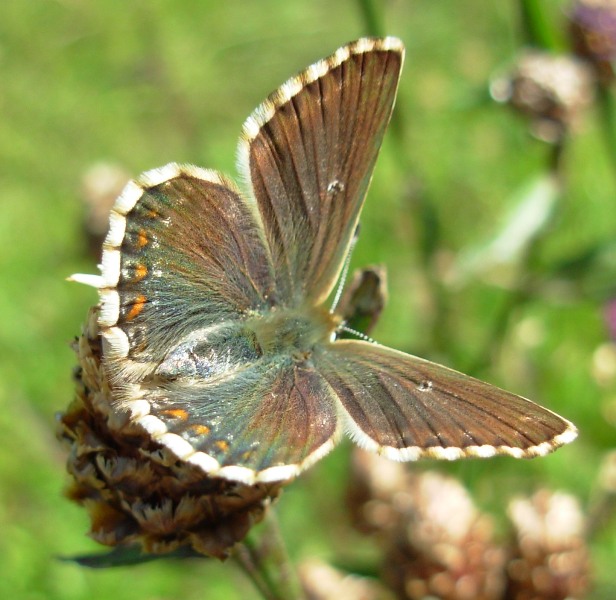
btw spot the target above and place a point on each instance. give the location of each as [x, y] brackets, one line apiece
[191, 256]
[406, 407]
[309, 151]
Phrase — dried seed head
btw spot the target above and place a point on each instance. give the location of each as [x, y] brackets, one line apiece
[364, 299]
[101, 184]
[320, 581]
[593, 32]
[550, 558]
[134, 490]
[552, 90]
[436, 542]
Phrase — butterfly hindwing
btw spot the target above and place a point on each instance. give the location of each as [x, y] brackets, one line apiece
[405, 408]
[271, 417]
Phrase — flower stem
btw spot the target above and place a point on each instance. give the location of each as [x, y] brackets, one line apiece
[266, 563]
[245, 559]
[607, 115]
[373, 22]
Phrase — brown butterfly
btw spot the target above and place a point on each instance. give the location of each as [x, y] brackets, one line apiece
[216, 332]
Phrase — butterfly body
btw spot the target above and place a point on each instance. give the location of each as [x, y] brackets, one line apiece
[294, 332]
[280, 335]
[216, 333]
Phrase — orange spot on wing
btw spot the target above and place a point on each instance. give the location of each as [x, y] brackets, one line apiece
[200, 429]
[176, 413]
[142, 239]
[140, 272]
[222, 445]
[137, 307]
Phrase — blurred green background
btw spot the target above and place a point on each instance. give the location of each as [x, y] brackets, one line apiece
[143, 83]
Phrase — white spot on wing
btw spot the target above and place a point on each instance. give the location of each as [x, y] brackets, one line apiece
[110, 308]
[205, 462]
[282, 473]
[483, 451]
[440, 453]
[410, 454]
[567, 436]
[317, 70]
[117, 228]
[110, 266]
[180, 447]
[153, 425]
[339, 57]
[138, 408]
[157, 176]
[335, 186]
[515, 452]
[391, 43]
[241, 474]
[128, 198]
[115, 343]
[95, 281]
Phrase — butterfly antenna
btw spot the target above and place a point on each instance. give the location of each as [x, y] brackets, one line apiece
[359, 334]
[345, 271]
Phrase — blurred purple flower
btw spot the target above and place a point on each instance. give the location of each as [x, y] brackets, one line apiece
[593, 30]
[610, 317]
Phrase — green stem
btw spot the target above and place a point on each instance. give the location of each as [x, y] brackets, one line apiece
[266, 563]
[426, 216]
[538, 28]
[244, 558]
[607, 112]
[373, 23]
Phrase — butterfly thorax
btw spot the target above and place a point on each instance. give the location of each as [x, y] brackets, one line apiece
[293, 332]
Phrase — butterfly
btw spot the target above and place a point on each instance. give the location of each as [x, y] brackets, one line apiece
[216, 333]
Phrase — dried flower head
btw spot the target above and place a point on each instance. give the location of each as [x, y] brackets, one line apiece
[364, 299]
[552, 90]
[436, 542]
[593, 32]
[134, 490]
[550, 558]
[321, 581]
[101, 184]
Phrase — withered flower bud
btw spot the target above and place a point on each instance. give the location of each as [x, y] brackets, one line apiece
[136, 491]
[436, 543]
[593, 32]
[101, 184]
[553, 90]
[364, 299]
[550, 558]
[321, 581]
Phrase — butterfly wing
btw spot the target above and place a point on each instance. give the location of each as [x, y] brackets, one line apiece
[308, 153]
[264, 422]
[406, 408]
[184, 252]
